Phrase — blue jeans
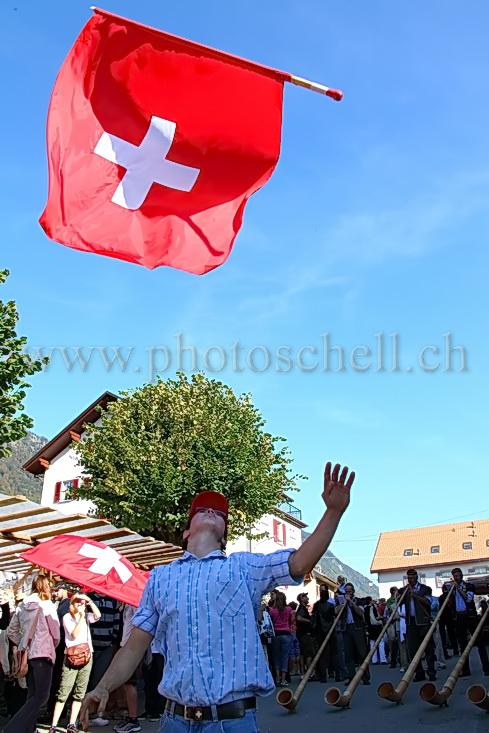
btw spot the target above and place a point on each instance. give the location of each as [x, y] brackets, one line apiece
[176, 724]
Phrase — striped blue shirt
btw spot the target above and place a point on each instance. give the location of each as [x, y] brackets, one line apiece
[202, 614]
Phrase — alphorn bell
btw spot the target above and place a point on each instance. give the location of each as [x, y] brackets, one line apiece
[429, 693]
[386, 689]
[339, 699]
[289, 699]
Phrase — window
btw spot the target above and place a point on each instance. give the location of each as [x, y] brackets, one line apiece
[487, 543]
[435, 549]
[466, 545]
[279, 532]
[62, 487]
[408, 553]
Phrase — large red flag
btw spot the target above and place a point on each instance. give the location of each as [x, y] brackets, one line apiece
[155, 145]
[92, 564]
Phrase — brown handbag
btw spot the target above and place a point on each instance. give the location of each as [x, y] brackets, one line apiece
[20, 660]
[78, 655]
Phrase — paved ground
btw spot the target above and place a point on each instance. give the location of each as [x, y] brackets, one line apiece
[368, 712]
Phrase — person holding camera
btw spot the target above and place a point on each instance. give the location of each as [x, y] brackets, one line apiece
[77, 662]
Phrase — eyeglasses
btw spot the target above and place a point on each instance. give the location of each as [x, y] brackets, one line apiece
[205, 509]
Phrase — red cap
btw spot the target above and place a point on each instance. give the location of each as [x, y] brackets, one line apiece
[209, 500]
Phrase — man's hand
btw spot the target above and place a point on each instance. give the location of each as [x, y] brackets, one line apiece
[336, 492]
[100, 696]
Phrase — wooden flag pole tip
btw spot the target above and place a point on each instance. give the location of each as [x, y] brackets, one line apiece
[315, 87]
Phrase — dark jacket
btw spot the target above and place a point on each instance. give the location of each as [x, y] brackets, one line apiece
[422, 615]
[374, 630]
[470, 605]
[358, 621]
[323, 618]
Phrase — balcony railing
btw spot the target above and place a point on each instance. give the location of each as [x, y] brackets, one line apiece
[289, 508]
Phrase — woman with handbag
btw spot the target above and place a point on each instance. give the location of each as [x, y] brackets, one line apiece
[78, 658]
[34, 630]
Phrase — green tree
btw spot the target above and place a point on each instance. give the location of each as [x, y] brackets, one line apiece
[15, 365]
[161, 444]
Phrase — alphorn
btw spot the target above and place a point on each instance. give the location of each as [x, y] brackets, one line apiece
[429, 693]
[386, 689]
[477, 694]
[289, 699]
[339, 699]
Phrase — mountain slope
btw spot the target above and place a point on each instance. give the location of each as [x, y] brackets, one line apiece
[13, 480]
[332, 567]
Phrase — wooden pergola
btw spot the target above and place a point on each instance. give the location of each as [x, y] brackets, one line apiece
[24, 524]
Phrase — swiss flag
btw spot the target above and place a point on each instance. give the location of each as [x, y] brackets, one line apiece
[155, 145]
[92, 564]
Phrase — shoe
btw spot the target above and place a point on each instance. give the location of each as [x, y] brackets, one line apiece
[99, 722]
[366, 682]
[128, 727]
[432, 676]
[486, 673]
[384, 662]
[71, 728]
[393, 666]
[121, 725]
[347, 682]
[441, 665]
[338, 679]
[401, 669]
[154, 718]
[419, 678]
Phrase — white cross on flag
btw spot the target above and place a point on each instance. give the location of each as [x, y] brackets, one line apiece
[92, 564]
[155, 144]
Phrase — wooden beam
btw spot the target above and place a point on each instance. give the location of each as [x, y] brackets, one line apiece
[146, 552]
[8, 500]
[26, 575]
[44, 523]
[111, 534]
[26, 513]
[70, 529]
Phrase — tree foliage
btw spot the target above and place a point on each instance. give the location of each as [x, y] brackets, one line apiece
[161, 444]
[15, 365]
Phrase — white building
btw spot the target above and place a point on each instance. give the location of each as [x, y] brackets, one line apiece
[433, 552]
[56, 464]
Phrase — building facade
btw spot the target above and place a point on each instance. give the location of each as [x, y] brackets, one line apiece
[434, 552]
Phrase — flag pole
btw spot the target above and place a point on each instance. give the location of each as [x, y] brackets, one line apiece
[313, 86]
[335, 94]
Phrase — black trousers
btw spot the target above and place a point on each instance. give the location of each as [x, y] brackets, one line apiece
[414, 637]
[465, 625]
[38, 684]
[56, 679]
[448, 635]
[152, 673]
[355, 644]
[327, 657]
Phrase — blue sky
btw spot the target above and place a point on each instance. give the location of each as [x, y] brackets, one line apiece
[375, 220]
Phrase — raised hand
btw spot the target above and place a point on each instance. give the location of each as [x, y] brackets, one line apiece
[336, 492]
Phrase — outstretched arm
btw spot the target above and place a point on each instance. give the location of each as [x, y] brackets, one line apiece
[123, 665]
[336, 496]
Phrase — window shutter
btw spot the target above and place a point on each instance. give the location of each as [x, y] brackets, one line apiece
[76, 483]
[284, 533]
[57, 491]
[275, 530]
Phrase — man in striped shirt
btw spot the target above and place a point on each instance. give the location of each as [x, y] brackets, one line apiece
[201, 610]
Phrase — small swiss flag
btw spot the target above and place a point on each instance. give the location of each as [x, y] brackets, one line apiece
[155, 145]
